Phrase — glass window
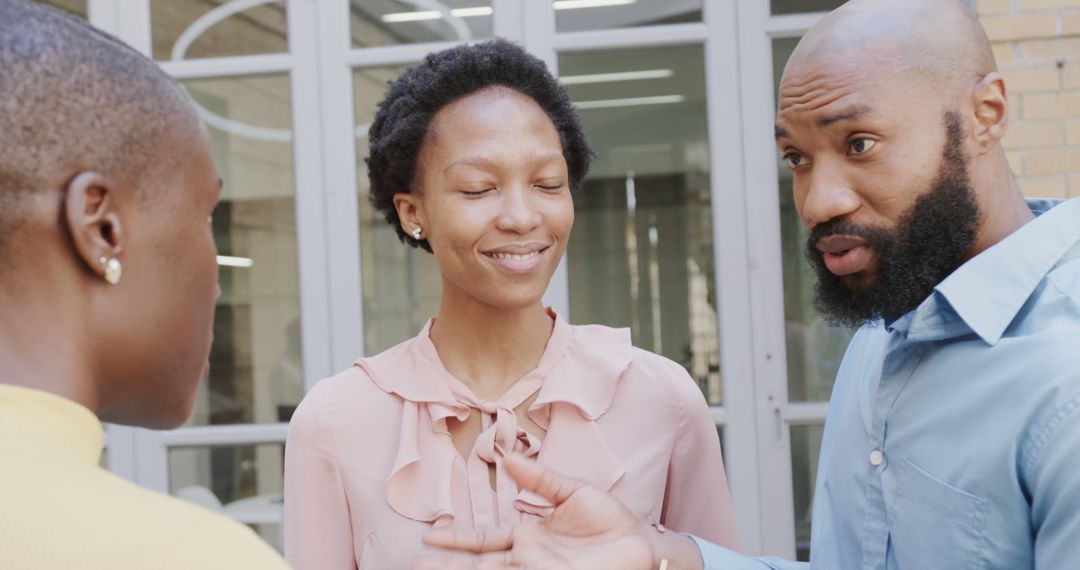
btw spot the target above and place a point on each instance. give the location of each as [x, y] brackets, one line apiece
[77, 7]
[580, 15]
[243, 482]
[641, 253]
[391, 22]
[255, 362]
[402, 285]
[805, 449]
[779, 7]
[192, 29]
[814, 348]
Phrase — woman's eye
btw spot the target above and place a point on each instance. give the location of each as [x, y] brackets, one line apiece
[550, 186]
[861, 146]
[476, 192]
[793, 160]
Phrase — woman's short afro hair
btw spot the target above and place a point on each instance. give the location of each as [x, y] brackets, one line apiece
[403, 115]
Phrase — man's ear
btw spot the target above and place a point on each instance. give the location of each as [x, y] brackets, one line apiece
[410, 212]
[93, 221]
[991, 111]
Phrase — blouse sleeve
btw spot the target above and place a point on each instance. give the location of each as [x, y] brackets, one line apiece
[697, 500]
[318, 530]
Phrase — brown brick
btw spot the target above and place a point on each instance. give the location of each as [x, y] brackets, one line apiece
[1034, 134]
[992, 6]
[1070, 23]
[1034, 52]
[1025, 5]
[1004, 53]
[1043, 186]
[1021, 26]
[1074, 185]
[1072, 135]
[1061, 105]
[1052, 161]
[1027, 79]
[1070, 76]
[1016, 161]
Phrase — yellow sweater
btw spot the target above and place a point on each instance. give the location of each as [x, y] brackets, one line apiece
[59, 510]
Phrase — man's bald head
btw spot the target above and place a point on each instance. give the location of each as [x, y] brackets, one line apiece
[939, 41]
[74, 99]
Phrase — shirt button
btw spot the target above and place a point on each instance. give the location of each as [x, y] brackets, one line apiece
[876, 458]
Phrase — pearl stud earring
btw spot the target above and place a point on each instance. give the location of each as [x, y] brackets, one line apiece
[113, 270]
[416, 233]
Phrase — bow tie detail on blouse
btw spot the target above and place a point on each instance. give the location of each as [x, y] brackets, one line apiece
[501, 435]
[574, 384]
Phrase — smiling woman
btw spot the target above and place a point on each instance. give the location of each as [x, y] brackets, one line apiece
[474, 155]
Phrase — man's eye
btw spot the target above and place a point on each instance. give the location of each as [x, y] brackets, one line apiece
[861, 146]
[793, 160]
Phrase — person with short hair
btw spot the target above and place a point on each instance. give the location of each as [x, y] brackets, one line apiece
[473, 156]
[953, 433]
[107, 292]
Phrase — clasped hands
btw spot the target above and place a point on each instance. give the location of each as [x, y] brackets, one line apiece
[589, 529]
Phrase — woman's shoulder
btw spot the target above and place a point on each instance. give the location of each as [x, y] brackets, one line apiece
[350, 400]
[646, 373]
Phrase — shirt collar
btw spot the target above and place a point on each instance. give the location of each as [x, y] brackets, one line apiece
[48, 424]
[985, 294]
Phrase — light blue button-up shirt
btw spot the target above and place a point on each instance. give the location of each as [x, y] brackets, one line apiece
[953, 435]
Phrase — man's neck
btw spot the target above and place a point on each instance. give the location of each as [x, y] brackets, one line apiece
[1001, 204]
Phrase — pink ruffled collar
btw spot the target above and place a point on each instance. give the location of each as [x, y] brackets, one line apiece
[576, 380]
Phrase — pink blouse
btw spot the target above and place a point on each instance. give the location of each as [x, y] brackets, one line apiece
[370, 465]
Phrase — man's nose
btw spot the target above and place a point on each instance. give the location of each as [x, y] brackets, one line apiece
[827, 195]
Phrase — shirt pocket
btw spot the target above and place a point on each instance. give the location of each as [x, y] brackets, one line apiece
[936, 523]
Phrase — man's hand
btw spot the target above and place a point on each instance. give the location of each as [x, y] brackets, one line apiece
[588, 529]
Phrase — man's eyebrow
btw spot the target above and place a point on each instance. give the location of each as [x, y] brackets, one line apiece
[780, 133]
[853, 112]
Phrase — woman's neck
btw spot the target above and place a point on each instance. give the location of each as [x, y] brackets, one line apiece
[490, 348]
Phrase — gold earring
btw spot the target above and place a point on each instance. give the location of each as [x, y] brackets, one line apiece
[113, 270]
[416, 233]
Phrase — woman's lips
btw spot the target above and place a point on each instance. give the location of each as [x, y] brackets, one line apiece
[517, 262]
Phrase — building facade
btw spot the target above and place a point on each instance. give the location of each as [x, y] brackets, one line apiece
[686, 232]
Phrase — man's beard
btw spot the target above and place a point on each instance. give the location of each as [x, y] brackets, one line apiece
[929, 242]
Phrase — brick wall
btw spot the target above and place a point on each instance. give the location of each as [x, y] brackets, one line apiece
[1037, 46]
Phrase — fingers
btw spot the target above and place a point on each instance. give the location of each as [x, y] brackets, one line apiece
[492, 561]
[540, 480]
[478, 541]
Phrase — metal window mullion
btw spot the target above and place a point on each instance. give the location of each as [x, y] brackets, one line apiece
[229, 66]
[646, 36]
[766, 278]
[727, 182]
[342, 228]
[316, 306]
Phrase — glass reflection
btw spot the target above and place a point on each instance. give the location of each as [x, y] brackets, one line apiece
[402, 285]
[641, 253]
[192, 29]
[392, 22]
[814, 348]
[77, 7]
[805, 449]
[243, 482]
[255, 361]
[779, 7]
[581, 15]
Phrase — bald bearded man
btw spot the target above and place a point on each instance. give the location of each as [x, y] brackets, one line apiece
[953, 433]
